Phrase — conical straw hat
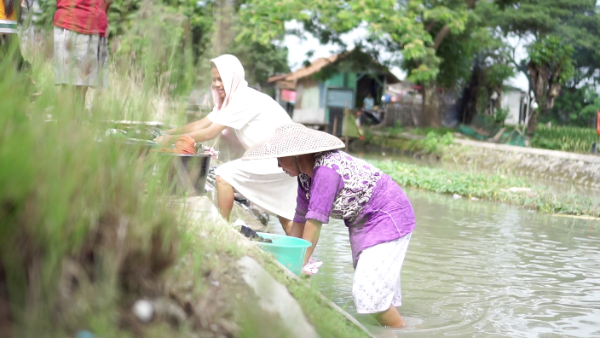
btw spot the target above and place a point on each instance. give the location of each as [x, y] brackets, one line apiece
[291, 140]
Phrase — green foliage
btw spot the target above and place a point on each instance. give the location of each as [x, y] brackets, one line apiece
[489, 187]
[398, 25]
[564, 48]
[553, 54]
[397, 129]
[427, 130]
[575, 107]
[564, 138]
[78, 231]
[497, 117]
[573, 21]
[434, 143]
[152, 46]
[261, 61]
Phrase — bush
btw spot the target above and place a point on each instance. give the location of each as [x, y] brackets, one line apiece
[434, 143]
[572, 139]
[83, 225]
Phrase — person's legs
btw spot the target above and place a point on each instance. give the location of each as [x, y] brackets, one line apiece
[79, 93]
[224, 197]
[390, 318]
[286, 224]
[376, 286]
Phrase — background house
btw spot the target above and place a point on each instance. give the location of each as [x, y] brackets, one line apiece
[516, 102]
[328, 85]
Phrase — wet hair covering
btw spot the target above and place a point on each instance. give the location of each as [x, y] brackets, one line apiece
[291, 140]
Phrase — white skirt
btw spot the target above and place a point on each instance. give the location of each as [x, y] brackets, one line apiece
[376, 283]
[264, 184]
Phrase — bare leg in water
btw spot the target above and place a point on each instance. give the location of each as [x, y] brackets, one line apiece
[390, 318]
[225, 200]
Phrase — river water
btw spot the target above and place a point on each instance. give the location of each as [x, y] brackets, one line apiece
[482, 269]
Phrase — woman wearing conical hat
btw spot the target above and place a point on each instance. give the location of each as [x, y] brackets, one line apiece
[379, 216]
[250, 116]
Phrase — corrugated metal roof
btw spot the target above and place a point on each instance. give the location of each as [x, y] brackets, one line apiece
[317, 66]
[313, 68]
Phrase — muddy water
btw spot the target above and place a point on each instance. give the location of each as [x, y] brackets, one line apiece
[479, 269]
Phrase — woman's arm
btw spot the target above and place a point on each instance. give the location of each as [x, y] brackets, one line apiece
[190, 127]
[209, 133]
[312, 230]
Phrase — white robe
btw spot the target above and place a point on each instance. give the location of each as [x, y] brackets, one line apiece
[254, 117]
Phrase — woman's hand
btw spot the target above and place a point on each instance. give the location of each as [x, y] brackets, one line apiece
[311, 267]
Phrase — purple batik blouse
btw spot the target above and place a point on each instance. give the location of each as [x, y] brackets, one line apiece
[372, 205]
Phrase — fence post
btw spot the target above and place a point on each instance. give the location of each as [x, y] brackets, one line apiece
[346, 117]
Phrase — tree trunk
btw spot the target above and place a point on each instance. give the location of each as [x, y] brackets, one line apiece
[468, 101]
[5, 311]
[431, 106]
[533, 122]
[538, 78]
[223, 15]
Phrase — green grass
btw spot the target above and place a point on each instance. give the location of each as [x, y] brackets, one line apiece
[78, 229]
[573, 139]
[327, 322]
[432, 143]
[487, 186]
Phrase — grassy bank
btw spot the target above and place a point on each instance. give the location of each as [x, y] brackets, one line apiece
[489, 187]
[573, 139]
[432, 142]
[88, 228]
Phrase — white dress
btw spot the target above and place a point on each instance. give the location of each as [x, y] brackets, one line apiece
[261, 181]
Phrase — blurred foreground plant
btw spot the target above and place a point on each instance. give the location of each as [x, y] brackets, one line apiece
[78, 230]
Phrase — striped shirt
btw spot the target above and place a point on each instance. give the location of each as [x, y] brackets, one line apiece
[8, 25]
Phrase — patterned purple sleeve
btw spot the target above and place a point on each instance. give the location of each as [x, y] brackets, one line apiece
[301, 205]
[325, 187]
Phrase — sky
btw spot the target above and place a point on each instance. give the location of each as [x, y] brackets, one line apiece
[299, 47]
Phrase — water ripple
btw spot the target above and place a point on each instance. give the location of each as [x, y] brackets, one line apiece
[476, 269]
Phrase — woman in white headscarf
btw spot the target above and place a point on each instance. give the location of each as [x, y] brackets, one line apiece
[253, 117]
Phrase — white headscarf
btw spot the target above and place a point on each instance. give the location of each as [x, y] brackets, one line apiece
[237, 108]
[252, 114]
[232, 74]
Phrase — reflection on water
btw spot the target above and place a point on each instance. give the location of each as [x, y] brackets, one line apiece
[478, 269]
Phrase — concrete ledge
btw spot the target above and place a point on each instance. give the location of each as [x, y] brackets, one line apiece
[534, 151]
[334, 306]
[275, 298]
[202, 208]
[551, 164]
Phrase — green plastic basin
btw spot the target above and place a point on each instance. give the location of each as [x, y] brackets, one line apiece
[289, 251]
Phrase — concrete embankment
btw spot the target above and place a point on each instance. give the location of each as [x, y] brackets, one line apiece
[289, 301]
[548, 164]
[551, 164]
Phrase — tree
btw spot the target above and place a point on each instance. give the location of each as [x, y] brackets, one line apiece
[575, 106]
[549, 67]
[491, 67]
[556, 29]
[417, 29]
